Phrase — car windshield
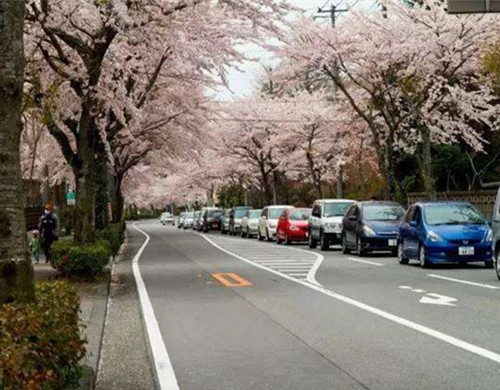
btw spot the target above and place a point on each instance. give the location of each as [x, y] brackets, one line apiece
[214, 213]
[275, 213]
[453, 214]
[336, 209]
[240, 213]
[382, 213]
[299, 215]
[255, 214]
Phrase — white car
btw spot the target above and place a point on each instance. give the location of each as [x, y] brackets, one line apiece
[325, 222]
[250, 223]
[268, 221]
[188, 220]
[167, 218]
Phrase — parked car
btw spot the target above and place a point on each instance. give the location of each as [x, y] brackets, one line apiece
[325, 222]
[495, 224]
[371, 226]
[268, 221]
[167, 218]
[224, 221]
[188, 220]
[250, 223]
[445, 232]
[180, 220]
[210, 218]
[235, 217]
[293, 226]
[197, 221]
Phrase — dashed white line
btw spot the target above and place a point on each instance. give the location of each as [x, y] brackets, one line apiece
[164, 370]
[363, 261]
[489, 286]
[464, 345]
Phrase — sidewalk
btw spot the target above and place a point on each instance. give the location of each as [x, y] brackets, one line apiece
[93, 305]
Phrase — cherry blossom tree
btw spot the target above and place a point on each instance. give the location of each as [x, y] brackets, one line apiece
[409, 75]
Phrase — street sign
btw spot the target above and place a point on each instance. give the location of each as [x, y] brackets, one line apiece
[70, 198]
[473, 6]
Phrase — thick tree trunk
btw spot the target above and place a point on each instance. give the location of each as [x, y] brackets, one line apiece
[118, 203]
[426, 164]
[85, 175]
[16, 272]
[102, 184]
[315, 177]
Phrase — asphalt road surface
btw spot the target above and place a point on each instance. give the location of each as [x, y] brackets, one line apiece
[240, 314]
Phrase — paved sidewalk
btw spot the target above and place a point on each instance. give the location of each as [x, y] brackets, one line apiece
[125, 363]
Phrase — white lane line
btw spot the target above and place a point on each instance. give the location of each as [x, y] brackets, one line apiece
[381, 313]
[363, 261]
[489, 286]
[164, 370]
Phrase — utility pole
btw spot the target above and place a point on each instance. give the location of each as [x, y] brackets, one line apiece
[333, 14]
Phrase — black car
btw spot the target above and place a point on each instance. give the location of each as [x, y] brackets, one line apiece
[235, 217]
[211, 219]
[371, 226]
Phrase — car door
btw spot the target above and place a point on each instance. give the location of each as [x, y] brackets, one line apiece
[315, 220]
[263, 222]
[352, 221]
[495, 222]
[405, 227]
[282, 224]
[413, 233]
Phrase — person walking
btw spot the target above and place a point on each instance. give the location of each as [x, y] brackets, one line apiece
[35, 245]
[48, 230]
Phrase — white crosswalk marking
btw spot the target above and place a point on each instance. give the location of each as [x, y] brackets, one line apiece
[293, 262]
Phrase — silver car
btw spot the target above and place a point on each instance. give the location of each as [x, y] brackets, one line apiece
[250, 223]
[188, 220]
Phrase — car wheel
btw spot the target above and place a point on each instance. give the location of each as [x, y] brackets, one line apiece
[345, 249]
[259, 235]
[287, 239]
[401, 257]
[312, 242]
[267, 235]
[359, 249]
[422, 257]
[489, 264]
[497, 263]
[278, 239]
[323, 242]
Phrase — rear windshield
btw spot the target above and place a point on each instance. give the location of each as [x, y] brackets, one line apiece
[189, 215]
[453, 214]
[214, 213]
[336, 209]
[382, 213]
[275, 213]
[300, 215]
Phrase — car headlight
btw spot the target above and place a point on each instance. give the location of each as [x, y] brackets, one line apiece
[489, 237]
[368, 231]
[434, 237]
[294, 228]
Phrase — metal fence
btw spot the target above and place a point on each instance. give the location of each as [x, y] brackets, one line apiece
[483, 200]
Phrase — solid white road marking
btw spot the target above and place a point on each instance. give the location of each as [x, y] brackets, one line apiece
[362, 261]
[489, 286]
[371, 309]
[406, 287]
[164, 370]
[418, 290]
[438, 299]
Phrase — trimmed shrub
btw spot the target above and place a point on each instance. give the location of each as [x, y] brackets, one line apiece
[114, 234]
[85, 261]
[40, 343]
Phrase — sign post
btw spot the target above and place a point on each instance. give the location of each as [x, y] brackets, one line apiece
[70, 198]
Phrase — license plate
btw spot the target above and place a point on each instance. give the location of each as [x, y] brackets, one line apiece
[393, 242]
[466, 250]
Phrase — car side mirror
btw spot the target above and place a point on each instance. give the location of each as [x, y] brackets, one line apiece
[413, 223]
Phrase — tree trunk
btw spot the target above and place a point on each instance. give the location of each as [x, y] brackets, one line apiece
[102, 198]
[85, 175]
[16, 271]
[314, 175]
[426, 164]
[118, 202]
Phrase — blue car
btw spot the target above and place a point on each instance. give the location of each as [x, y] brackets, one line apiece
[444, 232]
[371, 226]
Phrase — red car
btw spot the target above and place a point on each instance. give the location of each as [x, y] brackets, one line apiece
[293, 225]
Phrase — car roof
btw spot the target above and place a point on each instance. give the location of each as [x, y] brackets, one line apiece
[334, 200]
[279, 207]
[441, 202]
[242, 207]
[379, 202]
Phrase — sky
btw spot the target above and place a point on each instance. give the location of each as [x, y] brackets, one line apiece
[241, 82]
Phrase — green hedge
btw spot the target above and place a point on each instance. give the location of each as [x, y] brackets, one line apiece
[114, 234]
[85, 261]
[40, 343]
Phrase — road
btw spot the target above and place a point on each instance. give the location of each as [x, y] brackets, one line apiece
[241, 314]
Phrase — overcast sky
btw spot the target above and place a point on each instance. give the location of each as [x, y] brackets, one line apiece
[241, 83]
